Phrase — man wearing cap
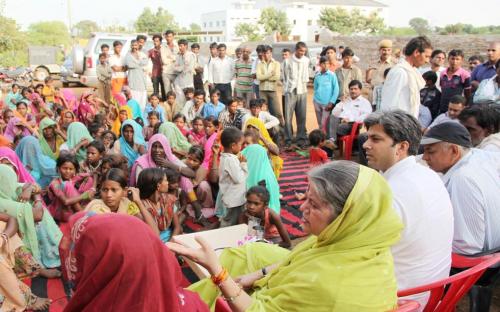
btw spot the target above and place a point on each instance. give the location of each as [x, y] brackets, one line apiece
[375, 71]
[472, 178]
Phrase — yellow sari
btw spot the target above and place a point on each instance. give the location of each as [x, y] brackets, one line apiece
[276, 161]
[348, 267]
[126, 207]
[117, 124]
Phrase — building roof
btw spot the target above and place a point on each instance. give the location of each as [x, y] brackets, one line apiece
[359, 3]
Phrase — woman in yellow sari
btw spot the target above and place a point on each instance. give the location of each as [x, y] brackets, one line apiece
[118, 117]
[345, 265]
[267, 142]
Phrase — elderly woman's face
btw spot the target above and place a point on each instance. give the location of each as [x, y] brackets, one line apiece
[316, 214]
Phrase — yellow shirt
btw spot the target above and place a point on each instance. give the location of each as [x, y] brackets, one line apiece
[48, 94]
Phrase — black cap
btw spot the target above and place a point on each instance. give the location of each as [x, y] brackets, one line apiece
[450, 131]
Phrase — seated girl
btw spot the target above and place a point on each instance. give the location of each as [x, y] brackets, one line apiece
[153, 188]
[71, 191]
[153, 122]
[131, 143]
[92, 165]
[203, 189]
[180, 121]
[108, 139]
[197, 136]
[257, 210]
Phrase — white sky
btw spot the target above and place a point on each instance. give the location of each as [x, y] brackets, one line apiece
[105, 12]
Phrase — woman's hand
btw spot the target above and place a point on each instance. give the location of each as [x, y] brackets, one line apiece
[216, 148]
[136, 198]
[25, 194]
[204, 256]
[246, 281]
[162, 162]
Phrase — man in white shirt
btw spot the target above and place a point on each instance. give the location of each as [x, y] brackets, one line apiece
[402, 86]
[455, 107]
[184, 66]
[269, 120]
[354, 109]
[168, 54]
[119, 70]
[438, 57]
[423, 255]
[221, 72]
[472, 178]
[483, 126]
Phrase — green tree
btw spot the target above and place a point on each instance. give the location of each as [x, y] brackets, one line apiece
[249, 32]
[420, 25]
[50, 33]
[347, 22]
[158, 22]
[452, 29]
[13, 47]
[194, 27]
[399, 31]
[85, 28]
[274, 20]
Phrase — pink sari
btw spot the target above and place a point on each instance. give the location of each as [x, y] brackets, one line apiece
[59, 188]
[23, 175]
[85, 108]
[208, 150]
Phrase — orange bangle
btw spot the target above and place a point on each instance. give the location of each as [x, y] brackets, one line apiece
[221, 277]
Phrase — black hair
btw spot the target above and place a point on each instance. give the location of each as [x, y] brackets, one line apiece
[102, 55]
[197, 151]
[155, 95]
[262, 101]
[172, 175]
[94, 129]
[476, 58]
[221, 46]
[39, 85]
[143, 37]
[117, 43]
[386, 72]
[196, 119]
[437, 52]
[316, 137]
[154, 113]
[14, 85]
[323, 59]
[259, 48]
[188, 90]
[261, 192]
[211, 119]
[139, 121]
[347, 52]
[325, 49]
[115, 161]
[286, 50]
[21, 103]
[168, 32]
[456, 52]
[25, 89]
[47, 79]
[214, 91]
[171, 93]
[230, 136]
[179, 115]
[148, 181]
[157, 36]
[267, 48]
[255, 103]
[98, 145]
[213, 45]
[417, 44]
[300, 45]
[199, 92]
[109, 132]
[67, 157]
[231, 100]
[117, 175]
[458, 99]
[105, 45]
[356, 83]
[430, 75]
[195, 46]
[183, 42]
[341, 47]
[486, 117]
[238, 49]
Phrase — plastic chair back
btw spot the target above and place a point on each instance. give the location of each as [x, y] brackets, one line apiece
[348, 140]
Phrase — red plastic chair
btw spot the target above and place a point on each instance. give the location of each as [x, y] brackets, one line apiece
[443, 299]
[346, 141]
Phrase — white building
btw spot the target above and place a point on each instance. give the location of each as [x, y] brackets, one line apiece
[303, 16]
[226, 21]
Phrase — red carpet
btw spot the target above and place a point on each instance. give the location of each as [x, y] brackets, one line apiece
[293, 179]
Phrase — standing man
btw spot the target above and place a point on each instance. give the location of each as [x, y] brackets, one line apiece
[268, 74]
[117, 63]
[454, 80]
[168, 54]
[296, 77]
[135, 62]
[185, 63]
[156, 74]
[438, 57]
[403, 83]
[243, 74]
[206, 69]
[486, 70]
[198, 68]
[260, 53]
[347, 73]
[375, 72]
[221, 72]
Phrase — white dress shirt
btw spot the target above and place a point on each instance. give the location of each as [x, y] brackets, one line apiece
[423, 255]
[444, 117]
[221, 70]
[474, 187]
[353, 109]
[269, 120]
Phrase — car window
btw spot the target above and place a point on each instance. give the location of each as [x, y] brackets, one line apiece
[109, 42]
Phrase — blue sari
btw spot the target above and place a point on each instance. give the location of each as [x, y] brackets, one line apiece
[136, 109]
[41, 166]
[128, 151]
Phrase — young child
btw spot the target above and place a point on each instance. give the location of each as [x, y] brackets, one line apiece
[196, 136]
[108, 139]
[203, 189]
[317, 155]
[259, 214]
[326, 91]
[180, 121]
[154, 106]
[104, 71]
[70, 191]
[188, 93]
[170, 106]
[214, 107]
[92, 164]
[48, 91]
[430, 96]
[174, 194]
[153, 121]
[233, 172]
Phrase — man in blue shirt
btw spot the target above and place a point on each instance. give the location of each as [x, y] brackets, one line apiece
[214, 107]
[326, 91]
[486, 70]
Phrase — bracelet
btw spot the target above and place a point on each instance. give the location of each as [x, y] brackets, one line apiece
[221, 277]
[232, 298]
[264, 271]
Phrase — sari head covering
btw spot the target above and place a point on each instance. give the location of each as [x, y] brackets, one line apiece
[276, 161]
[85, 108]
[46, 123]
[177, 140]
[10, 130]
[128, 151]
[207, 160]
[76, 133]
[70, 97]
[117, 124]
[106, 264]
[259, 168]
[23, 175]
[43, 168]
[63, 113]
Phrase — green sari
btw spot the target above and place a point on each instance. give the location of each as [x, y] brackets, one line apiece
[348, 267]
[76, 133]
[175, 137]
[46, 123]
[42, 239]
[259, 168]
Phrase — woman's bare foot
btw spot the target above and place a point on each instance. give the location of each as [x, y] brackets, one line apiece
[39, 304]
[50, 273]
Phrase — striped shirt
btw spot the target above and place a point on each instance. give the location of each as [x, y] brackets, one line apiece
[473, 184]
[243, 73]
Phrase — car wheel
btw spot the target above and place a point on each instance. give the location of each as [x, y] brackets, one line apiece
[41, 73]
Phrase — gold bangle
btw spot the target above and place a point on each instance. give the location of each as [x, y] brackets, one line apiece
[231, 299]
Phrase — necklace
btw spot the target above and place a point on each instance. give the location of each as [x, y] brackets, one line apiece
[92, 168]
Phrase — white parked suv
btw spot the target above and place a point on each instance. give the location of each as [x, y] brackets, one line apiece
[85, 59]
